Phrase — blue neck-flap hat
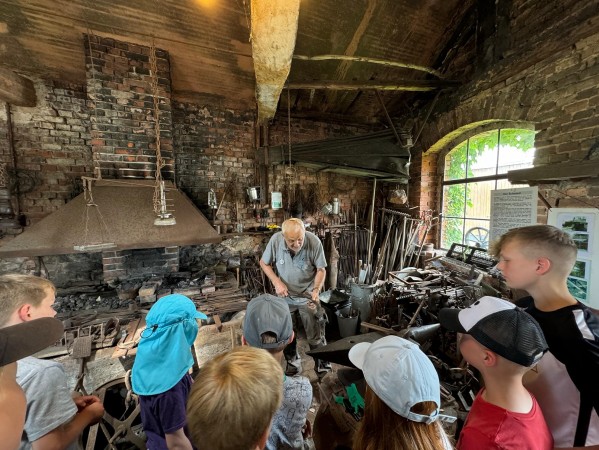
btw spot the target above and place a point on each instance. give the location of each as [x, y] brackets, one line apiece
[164, 350]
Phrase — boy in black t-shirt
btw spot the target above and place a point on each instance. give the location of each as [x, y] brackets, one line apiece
[539, 259]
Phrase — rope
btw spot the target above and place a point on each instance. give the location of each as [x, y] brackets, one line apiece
[88, 195]
[159, 161]
[95, 133]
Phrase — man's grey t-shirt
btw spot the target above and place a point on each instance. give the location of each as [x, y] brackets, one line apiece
[49, 401]
[297, 272]
[289, 420]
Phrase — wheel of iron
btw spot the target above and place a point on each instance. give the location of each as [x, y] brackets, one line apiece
[120, 428]
[477, 237]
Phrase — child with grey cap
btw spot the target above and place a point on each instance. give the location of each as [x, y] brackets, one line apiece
[502, 342]
[268, 325]
[402, 400]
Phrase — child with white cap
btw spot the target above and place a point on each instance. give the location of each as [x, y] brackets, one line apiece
[160, 374]
[502, 342]
[402, 398]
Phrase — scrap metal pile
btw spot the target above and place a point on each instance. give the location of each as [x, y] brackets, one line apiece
[408, 304]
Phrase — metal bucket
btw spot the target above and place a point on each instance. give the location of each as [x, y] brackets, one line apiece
[361, 297]
[348, 326]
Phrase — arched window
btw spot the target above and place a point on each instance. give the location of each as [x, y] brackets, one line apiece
[472, 170]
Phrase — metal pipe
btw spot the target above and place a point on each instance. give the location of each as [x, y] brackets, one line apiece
[371, 228]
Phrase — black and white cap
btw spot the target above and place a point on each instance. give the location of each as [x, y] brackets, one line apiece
[500, 326]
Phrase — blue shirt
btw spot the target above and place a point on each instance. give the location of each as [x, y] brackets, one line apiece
[296, 271]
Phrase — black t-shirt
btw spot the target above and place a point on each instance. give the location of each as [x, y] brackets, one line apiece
[572, 334]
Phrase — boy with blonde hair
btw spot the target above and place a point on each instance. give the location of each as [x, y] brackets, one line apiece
[233, 400]
[54, 418]
[539, 259]
[502, 342]
[17, 342]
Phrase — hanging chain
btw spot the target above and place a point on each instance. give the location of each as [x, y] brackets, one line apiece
[96, 135]
[159, 161]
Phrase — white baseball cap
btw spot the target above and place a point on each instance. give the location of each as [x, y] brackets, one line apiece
[400, 374]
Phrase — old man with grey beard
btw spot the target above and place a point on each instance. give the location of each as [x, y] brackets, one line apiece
[298, 257]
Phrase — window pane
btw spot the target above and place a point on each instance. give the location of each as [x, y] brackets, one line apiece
[451, 231]
[482, 154]
[478, 199]
[477, 233]
[505, 184]
[517, 149]
[454, 201]
[455, 163]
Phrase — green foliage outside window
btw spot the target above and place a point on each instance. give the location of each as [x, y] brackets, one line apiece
[459, 165]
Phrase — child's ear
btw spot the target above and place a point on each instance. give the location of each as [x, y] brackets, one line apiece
[543, 265]
[243, 341]
[261, 444]
[24, 312]
[490, 358]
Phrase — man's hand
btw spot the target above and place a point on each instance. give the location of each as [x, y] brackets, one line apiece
[281, 289]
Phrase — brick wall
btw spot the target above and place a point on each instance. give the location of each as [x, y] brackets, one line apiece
[213, 145]
[548, 79]
[352, 192]
[141, 263]
[119, 85]
[51, 145]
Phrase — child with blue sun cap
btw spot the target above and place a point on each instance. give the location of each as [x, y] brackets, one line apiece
[160, 374]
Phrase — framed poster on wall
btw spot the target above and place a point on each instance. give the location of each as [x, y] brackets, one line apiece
[582, 226]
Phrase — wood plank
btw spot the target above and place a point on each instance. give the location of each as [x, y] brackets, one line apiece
[555, 172]
[15, 89]
[400, 85]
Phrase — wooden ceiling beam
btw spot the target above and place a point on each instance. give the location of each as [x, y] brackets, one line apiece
[378, 61]
[403, 85]
[15, 89]
[555, 172]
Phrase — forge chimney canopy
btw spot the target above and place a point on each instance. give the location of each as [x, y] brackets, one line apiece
[123, 216]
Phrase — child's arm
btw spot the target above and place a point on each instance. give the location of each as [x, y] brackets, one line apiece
[62, 436]
[177, 440]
